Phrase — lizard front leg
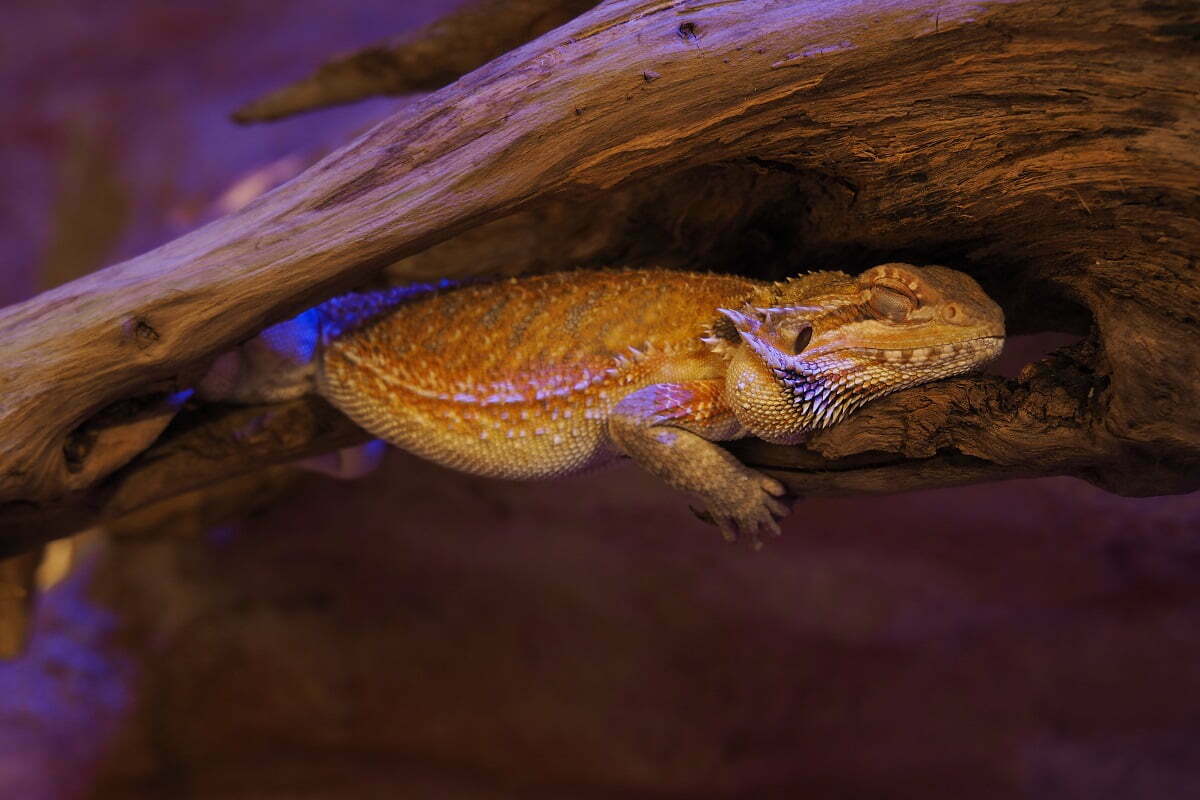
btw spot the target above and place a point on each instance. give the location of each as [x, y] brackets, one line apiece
[669, 429]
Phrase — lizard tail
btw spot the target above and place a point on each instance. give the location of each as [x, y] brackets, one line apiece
[279, 364]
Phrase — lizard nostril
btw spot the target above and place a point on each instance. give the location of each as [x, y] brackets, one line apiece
[951, 312]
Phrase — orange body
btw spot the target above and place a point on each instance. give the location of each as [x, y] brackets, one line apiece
[517, 378]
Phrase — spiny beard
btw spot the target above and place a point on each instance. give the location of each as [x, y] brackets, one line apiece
[823, 400]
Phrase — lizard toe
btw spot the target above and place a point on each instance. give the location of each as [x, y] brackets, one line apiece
[772, 486]
[777, 508]
[745, 507]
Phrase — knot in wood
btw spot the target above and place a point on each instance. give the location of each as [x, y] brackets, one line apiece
[141, 332]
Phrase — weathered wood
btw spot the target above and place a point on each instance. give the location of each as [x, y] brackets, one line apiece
[1047, 149]
[202, 448]
[969, 430]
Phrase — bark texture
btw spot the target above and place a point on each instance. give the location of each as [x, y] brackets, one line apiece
[1047, 149]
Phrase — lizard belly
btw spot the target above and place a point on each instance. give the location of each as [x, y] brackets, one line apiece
[479, 433]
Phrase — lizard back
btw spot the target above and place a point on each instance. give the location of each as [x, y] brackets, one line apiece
[516, 378]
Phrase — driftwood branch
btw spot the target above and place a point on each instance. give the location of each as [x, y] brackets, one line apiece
[201, 448]
[1046, 149]
[421, 61]
[973, 429]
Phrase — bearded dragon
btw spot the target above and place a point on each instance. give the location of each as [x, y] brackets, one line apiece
[553, 374]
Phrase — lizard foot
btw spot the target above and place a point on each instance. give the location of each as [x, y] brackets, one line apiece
[746, 509]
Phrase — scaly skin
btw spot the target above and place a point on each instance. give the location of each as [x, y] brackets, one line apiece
[554, 374]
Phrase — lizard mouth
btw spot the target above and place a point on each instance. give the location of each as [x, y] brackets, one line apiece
[825, 392]
[977, 349]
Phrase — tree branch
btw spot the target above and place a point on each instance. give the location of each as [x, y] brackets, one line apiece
[973, 429]
[202, 447]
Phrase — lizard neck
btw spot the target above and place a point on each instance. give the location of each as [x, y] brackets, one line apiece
[760, 402]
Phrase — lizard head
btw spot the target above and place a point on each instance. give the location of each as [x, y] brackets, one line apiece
[813, 349]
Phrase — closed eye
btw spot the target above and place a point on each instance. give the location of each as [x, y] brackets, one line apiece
[891, 304]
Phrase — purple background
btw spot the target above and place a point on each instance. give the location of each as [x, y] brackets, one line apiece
[423, 633]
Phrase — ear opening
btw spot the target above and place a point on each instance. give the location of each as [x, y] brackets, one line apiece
[802, 340]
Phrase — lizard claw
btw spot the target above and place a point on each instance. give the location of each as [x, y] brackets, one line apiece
[747, 509]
